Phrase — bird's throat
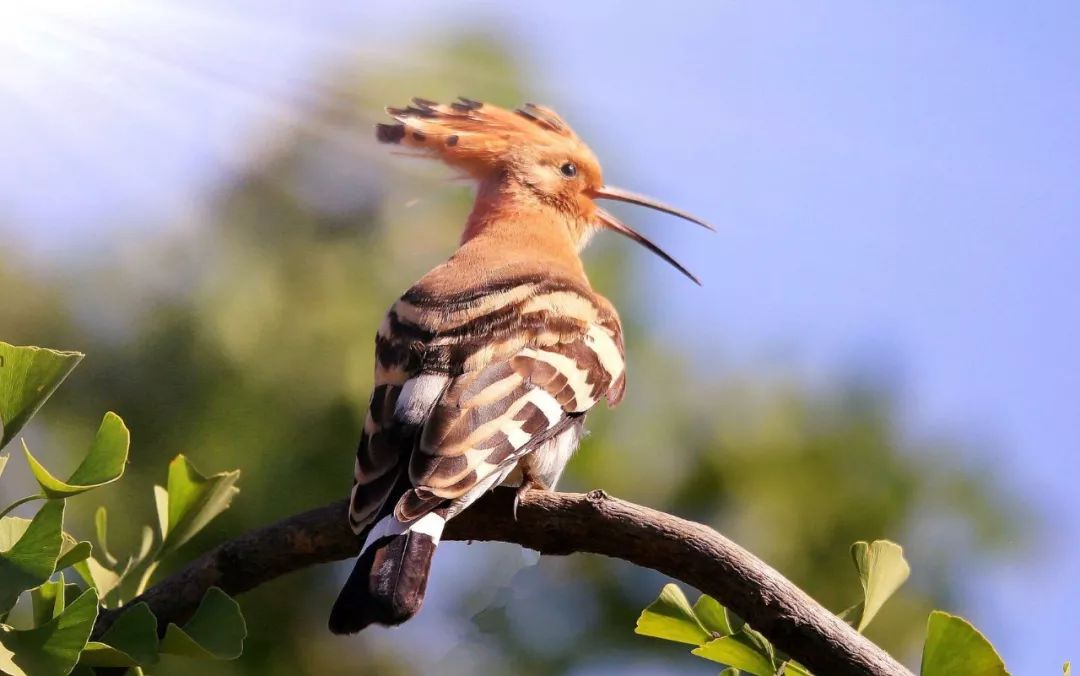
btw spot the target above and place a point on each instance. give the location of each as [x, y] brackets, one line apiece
[513, 217]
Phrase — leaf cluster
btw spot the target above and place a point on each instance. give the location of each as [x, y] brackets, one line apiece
[953, 647]
[36, 553]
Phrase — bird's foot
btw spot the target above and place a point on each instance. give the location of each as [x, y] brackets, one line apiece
[527, 484]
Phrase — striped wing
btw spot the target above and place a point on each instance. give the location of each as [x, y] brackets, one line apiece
[511, 369]
[378, 467]
[487, 420]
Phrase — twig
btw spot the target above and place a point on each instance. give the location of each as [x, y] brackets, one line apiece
[552, 523]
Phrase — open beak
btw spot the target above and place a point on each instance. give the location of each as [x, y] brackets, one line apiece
[618, 226]
[612, 223]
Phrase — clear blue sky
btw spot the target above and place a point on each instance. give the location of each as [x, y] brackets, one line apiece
[889, 178]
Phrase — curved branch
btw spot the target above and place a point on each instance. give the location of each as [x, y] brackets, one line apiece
[552, 523]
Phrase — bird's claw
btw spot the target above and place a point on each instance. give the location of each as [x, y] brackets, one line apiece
[521, 490]
[524, 488]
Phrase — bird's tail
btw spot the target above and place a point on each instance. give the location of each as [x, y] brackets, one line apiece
[389, 579]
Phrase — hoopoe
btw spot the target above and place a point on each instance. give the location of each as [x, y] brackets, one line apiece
[486, 367]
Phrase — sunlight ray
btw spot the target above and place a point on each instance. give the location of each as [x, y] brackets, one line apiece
[144, 64]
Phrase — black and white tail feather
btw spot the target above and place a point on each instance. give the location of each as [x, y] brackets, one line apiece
[389, 580]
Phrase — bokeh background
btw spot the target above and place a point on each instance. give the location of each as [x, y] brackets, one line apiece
[884, 346]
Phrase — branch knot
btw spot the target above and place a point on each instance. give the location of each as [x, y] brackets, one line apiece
[597, 496]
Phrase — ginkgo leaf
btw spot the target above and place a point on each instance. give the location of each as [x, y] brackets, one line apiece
[161, 505]
[101, 532]
[28, 558]
[130, 641]
[72, 551]
[29, 376]
[712, 615]
[191, 501]
[11, 529]
[882, 569]
[756, 640]
[216, 631]
[793, 668]
[98, 654]
[47, 601]
[102, 465]
[52, 648]
[953, 647]
[145, 544]
[732, 652]
[671, 617]
[98, 576]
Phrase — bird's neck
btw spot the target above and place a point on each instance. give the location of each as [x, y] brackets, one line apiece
[511, 219]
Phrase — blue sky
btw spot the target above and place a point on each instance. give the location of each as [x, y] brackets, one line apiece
[890, 179]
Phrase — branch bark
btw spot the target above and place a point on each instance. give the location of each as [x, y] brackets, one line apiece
[552, 523]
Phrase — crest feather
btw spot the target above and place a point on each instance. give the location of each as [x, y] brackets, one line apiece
[473, 135]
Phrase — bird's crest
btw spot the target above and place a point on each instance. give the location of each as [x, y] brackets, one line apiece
[476, 136]
[532, 144]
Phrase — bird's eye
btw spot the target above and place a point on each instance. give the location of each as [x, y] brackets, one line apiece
[569, 170]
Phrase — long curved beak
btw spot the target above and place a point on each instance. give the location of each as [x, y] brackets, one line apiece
[610, 192]
[618, 226]
[612, 223]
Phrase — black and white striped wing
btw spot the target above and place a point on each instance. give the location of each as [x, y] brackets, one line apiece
[454, 411]
[485, 421]
[387, 439]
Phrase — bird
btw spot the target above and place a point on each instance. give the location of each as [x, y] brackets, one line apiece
[486, 367]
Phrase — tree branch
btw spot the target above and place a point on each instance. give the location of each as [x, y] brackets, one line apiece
[552, 523]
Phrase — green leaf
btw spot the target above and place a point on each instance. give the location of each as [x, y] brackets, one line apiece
[31, 559]
[135, 632]
[712, 615]
[848, 614]
[953, 647]
[1067, 669]
[131, 641]
[670, 617]
[161, 504]
[104, 463]
[730, 651]
[193, 500]
[97, 576]
[28, 376]
[98, 654]
[793, 668]
[756, 641]
[3, 461]
[72, 551]
[52, 648]
[734, 621]
[11, 529]
[145, 545]
[216, 630]
[48, 601]
[101, 531]
[730, 671]
[882, 569]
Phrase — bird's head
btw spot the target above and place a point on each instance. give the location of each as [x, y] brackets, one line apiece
[529, 155]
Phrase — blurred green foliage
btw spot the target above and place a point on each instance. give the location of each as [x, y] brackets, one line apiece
[243, 337]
